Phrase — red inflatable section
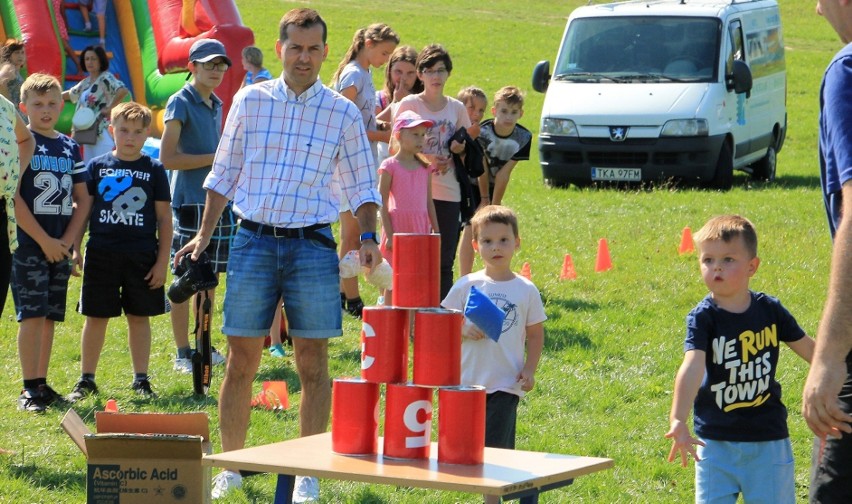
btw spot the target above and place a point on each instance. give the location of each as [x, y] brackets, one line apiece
[214, 19]
[42, 52]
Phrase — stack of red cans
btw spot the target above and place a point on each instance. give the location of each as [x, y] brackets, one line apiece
[415, 316]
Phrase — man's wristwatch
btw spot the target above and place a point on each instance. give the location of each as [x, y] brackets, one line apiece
[369, 236]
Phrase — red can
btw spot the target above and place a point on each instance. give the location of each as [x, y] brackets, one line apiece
[461, 425]
[384, 344]
[408, 421]
[416, 270]
[437, 347]
[355, 417]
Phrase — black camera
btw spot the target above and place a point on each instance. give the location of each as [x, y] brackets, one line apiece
[191, 277]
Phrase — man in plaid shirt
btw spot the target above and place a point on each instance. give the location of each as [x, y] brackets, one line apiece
[282, 141]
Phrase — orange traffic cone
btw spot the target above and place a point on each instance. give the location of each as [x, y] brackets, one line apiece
[568, 272]
[526, 272]
[273, 396]
[111, 406]
[687, 246]
[603, 262]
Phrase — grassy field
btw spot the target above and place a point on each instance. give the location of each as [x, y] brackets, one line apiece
[613, 340]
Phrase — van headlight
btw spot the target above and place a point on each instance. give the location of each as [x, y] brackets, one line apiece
[558, 127]
[685, 128]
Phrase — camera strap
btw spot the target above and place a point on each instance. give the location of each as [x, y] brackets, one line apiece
[202, 357]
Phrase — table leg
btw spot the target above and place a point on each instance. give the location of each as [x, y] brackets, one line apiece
[284, 489]
[530, 496]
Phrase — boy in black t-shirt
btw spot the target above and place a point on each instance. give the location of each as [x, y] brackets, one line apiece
[505, 142]
[127, 254]
[51, 206]
[728, 373]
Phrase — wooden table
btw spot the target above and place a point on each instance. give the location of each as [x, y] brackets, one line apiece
[510, 474]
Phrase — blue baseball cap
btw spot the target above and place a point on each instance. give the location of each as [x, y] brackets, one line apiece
[204, 50]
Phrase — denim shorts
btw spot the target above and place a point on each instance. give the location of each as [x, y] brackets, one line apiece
[761, 471]
[100, 6]
[262, 269]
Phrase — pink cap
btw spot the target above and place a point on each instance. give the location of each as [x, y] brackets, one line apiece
[410, 119]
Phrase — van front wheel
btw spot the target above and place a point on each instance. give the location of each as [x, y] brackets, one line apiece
[764, 169]
[723, 179]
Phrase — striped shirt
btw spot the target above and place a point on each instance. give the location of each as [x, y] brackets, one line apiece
[278, 152]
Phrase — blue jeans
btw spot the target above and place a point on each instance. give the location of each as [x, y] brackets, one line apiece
[762, 471]
[262, 269]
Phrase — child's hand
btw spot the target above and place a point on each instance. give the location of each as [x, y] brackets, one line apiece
[682, 442]
[389, 242]
[401, 92]
[76, 263]
[55, 250]
[456, 147]
[156, 277]
[471, 331]
[526, 380]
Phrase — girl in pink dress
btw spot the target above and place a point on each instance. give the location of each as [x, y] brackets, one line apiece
[405, 183]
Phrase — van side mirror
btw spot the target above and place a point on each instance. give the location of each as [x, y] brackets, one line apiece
[541, 76]
[740, 79]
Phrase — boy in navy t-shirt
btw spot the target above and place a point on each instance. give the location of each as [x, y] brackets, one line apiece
[731, 355]
[51, 206]
[127, 254]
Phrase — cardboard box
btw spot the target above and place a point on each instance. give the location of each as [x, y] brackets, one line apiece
[144, 457]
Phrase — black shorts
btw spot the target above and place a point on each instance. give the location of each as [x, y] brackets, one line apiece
[831, 476]
[501, 415]
[39, 287]
[187, 221]
[113, 281]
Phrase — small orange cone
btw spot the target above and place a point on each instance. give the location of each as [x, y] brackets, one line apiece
[603, 262]
[273, 396]
[568, 272]
[687, 246]
[526, 272]
[111, 406]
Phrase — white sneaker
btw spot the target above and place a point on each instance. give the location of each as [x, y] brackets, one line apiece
[306, 489]
[217, 358]
[183, 365]
[225, 482]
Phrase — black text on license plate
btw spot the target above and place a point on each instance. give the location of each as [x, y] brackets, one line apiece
[617, 174]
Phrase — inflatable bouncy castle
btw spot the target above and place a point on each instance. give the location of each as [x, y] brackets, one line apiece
[147, 42]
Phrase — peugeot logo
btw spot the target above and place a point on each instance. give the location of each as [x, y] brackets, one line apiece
[618, 133]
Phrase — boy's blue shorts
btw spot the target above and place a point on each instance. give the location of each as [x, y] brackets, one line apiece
[761, 471]
[39, 287]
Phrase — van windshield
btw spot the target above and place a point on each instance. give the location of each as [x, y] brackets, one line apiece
[640, 49]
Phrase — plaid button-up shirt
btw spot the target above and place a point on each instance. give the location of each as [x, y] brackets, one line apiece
[278, 153]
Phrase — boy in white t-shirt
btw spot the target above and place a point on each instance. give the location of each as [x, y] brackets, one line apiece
[503, 367]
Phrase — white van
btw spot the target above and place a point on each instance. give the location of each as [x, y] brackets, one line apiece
[665, 89]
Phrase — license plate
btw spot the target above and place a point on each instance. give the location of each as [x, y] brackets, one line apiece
[617, 174]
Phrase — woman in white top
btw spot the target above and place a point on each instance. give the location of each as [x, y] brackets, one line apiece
[448, 115]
